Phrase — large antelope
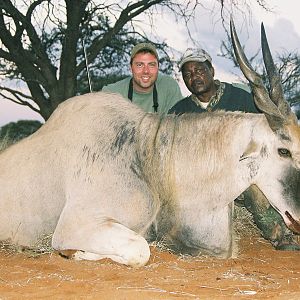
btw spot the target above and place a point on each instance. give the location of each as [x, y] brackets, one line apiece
[106, 178]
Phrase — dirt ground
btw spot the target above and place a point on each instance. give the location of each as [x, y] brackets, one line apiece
[259, 272]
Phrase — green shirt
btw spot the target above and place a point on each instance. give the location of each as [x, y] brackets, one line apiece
[168, 93]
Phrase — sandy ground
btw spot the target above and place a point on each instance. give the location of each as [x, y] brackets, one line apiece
[259, 272]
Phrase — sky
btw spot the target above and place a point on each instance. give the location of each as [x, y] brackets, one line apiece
[282, 29]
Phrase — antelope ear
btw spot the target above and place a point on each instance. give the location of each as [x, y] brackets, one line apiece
[252, 150]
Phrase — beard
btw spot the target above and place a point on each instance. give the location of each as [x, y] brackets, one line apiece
[199, 86]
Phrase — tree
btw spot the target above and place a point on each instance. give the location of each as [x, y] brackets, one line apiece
[15, 131]
[42, 43]
[289, 69]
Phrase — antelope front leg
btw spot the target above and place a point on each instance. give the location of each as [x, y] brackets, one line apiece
[98, 240]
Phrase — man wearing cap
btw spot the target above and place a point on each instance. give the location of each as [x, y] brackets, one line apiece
[152, 91]
[209, 94]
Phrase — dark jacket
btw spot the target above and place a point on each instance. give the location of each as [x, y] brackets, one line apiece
[233, 99]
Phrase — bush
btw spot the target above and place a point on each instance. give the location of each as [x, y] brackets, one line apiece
[15, 131]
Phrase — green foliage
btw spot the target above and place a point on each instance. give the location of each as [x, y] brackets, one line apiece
[15, 131]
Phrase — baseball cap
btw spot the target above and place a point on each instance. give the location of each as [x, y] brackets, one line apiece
[192, 54]
[142, 47]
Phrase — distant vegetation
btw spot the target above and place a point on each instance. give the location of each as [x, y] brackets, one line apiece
[15, 131]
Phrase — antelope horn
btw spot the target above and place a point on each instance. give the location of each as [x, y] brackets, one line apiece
[261, 95]
[276, 90]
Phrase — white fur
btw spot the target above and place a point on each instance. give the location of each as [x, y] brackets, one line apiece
[105, 176]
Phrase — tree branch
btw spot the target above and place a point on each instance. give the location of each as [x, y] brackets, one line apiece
[126, 15]
[18, 97]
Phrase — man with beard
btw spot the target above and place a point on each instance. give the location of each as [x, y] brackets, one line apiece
[209, 94]
[152, 91]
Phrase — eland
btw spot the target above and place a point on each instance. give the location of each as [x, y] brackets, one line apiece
[106, 178]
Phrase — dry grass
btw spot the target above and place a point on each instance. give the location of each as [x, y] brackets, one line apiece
[243, 226]
[42, 246]
[243, 222]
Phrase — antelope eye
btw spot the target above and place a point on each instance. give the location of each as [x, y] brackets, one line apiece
[283, 152]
